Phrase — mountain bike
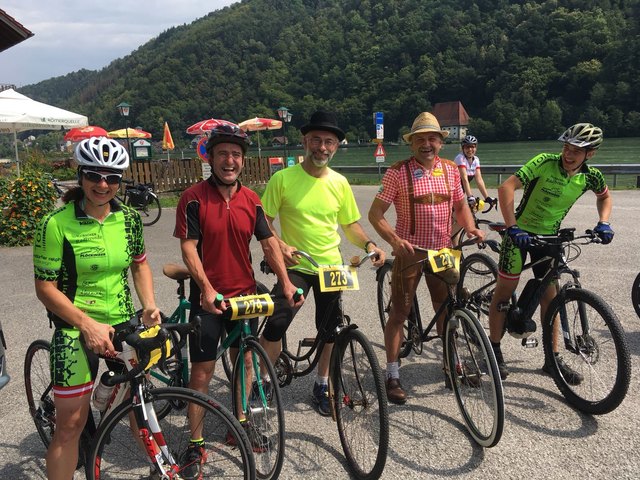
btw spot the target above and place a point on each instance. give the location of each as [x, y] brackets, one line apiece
[255, 398]
[141, 197]
[635, 295]
[128, 440]
[470, 365]
[357, 393]
[593, 341]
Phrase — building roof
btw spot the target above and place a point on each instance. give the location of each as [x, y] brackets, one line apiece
[12, 32]
[450, 114]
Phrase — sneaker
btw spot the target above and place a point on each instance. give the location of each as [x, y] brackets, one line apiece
[395, 392]
[191, 462]
[255, 391]
[260, 443]
[320, 399]
[504, 371]
[569, 374]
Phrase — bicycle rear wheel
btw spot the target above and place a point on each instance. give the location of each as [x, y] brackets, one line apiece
[478, 274]
[150, 213]
[383, 276]
[263, 414]
[37, 382]
[594, 346]
[635, 295]
[359, 400]
[117, 453]
[475, 378]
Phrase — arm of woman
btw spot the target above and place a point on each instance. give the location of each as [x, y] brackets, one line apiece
[97, 336]
[143, 283]
[481, 185]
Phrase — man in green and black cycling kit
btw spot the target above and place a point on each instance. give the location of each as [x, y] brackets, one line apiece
[552, 184]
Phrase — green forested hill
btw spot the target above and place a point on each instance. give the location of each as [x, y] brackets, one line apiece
[522, 69]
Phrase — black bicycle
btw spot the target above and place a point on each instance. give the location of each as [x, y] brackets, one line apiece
[142, 197]
[594, 343]
[471, 368]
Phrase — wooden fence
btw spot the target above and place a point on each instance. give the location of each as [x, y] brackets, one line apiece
[179, 174]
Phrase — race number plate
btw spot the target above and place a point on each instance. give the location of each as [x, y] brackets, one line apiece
[441, 260]
[338, 277]
[251, 306]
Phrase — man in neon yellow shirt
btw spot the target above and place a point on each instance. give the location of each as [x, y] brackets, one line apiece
[311, 200]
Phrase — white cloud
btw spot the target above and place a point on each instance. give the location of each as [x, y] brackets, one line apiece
[75, 34]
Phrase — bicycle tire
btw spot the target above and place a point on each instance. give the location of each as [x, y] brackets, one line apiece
[38, 386]
[478, 274]
[475, 378]
[149, 215]
[600, 352]
[489, 234]
[635, 295]
[383, 276]
[37, 382]
[359, 399]
[264, 417]
[116, 453]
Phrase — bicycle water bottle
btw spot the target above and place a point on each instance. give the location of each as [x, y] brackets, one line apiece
[102, 392]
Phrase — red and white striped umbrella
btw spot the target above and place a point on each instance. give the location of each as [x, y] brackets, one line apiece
[204, 126]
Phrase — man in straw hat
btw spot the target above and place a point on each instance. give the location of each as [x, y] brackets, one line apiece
[311, 200]
[425, 189]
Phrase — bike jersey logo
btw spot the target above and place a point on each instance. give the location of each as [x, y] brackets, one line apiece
[93, 252]
[418, 174]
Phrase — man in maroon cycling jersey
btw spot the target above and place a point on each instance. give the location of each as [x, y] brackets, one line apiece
[215, 221]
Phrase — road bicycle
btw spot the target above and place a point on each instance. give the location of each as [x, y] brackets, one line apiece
[470, 365]
[635, 295]
[255, 398]
[479, 205]
[4, 376]
[129, 440]
[141, 197]
[357, 393]
[593, 341]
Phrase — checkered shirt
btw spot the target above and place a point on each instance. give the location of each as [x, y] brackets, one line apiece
[433, 222]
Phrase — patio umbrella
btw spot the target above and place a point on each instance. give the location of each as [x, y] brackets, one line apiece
[204, 126]
[132, 133]
[81, 133]
[256, 124]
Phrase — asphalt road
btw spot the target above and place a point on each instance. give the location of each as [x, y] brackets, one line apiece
[543, 437]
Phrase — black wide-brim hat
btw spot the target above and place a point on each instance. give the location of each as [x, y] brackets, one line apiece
[324, 121]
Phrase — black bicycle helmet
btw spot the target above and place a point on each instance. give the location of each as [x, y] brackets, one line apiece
[469, 140]
[227, 134]
[583, 135]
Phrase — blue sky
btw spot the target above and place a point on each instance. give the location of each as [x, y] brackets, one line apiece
[75, 34]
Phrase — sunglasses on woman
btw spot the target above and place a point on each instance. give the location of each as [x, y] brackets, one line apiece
[95, 177]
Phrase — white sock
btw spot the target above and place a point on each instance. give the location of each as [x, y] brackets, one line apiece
[392, 370]
[322, 380]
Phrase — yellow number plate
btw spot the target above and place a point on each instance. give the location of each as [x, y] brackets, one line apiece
[444, 259]
[338, 277]
[251, 306]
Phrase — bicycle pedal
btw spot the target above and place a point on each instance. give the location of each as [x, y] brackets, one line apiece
[307, 342]
[529, 342]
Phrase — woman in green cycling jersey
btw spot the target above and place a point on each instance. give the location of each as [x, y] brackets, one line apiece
[82, 254]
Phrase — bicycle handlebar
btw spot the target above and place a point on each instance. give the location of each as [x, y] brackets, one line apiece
[565, 236]
[227, 313]
[145, 345]
[481, 203]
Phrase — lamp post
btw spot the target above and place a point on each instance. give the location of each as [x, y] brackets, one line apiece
[124, 109]
[285, 116]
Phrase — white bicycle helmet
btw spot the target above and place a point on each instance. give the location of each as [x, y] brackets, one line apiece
[102, 152]
[583, 135]
[469, 140]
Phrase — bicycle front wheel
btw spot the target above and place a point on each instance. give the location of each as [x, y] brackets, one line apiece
[118, 453]
[478, 274]
[635, 295]
[593, 346]
[261, 408]
[383, 276]
[37, 382]
[359, 400]
[475, 378]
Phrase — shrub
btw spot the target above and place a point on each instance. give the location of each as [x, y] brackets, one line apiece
[24, 201]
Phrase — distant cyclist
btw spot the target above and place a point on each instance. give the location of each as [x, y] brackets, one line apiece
[469, 165]
[82, 255]
[552, 183]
